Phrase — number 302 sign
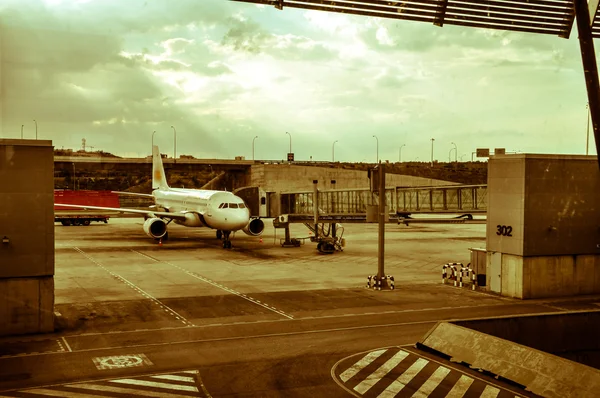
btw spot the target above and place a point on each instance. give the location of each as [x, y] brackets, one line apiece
[504, 230]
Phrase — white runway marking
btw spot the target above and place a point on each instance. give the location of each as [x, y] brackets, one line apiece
[404, 379]
[156, 384]
[364, 362]
[490, 392]
[174, 377]
[461, 387]
[66, 344]
[380, 373]
[434, 380]
[183, 384]
[121, 361]
[166, 308]
[216, 284]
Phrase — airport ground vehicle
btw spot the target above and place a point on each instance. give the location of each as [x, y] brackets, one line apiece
[77, 216]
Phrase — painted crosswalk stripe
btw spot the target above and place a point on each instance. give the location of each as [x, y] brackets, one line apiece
[365, 361]
[490, 392]
[174, 378]
[461, 387]
[155, 384]
[404, 378]
[130, 391]
[434, 380]
[383, 370]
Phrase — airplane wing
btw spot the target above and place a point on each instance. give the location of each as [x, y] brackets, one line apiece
[147, 213]
[145, 195]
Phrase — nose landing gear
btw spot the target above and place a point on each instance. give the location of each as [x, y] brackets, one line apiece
[226, 241]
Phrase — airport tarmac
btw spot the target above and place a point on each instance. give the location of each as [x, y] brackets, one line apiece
[189, 318]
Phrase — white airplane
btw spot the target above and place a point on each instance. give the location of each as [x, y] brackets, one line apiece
[220, 210]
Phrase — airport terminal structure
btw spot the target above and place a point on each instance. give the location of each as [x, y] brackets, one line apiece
[506, 310]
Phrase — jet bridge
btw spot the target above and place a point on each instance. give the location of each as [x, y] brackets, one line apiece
[341, 206]
[352, 205]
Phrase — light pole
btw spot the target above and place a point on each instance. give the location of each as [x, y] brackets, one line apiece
[253, 146]
[290, 141]
[433, 139]
[400, 153]
[333, 151]
[587, 137]
[377, 148]
[22, 131]
[450, 154]
[152, 152]
[455, 152]
[174, 144]
[35, 128]
[74, 178]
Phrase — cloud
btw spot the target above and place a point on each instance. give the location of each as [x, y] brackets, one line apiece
[222, 72]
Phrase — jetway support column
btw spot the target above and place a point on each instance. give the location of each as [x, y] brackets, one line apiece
[316, 207]
[382, 281]
[590, 67]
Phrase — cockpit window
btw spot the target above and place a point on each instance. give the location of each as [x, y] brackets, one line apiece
[242, 206]
[233, 206]
[223, 206]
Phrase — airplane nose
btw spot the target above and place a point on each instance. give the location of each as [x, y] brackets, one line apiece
[242, 221]
[237, 221]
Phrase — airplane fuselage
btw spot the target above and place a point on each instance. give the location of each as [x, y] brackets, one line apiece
[204, 208]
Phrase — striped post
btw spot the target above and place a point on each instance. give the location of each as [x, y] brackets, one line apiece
[391, 279]
[454, 273]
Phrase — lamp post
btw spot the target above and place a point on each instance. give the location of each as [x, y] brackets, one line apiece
[333, 151]
[290, 141]
[74, 178]
[152, 151]
[253, 146]
[22, 131]
[587, 137]
[433, 139]
[35, 128]
[455, 152]
[374, 136]
[174, 144]
[400, 153]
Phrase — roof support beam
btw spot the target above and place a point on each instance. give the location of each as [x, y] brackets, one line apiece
[593, 10]
[590, 67]
[440, 14]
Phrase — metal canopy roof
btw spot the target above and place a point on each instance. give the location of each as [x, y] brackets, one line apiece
[554, 17]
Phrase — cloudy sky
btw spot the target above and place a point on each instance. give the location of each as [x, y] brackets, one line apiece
[221, 73]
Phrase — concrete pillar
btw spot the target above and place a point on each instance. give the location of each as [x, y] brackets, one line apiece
[542, 225]
[26, 236]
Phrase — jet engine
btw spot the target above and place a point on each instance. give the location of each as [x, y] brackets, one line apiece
[155, 227]
[255, 227]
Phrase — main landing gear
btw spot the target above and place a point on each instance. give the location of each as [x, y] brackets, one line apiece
[225, 236]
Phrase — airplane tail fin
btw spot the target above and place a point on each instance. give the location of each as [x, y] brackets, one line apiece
[159, 179]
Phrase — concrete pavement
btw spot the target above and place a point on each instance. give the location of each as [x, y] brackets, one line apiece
[257, 320]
